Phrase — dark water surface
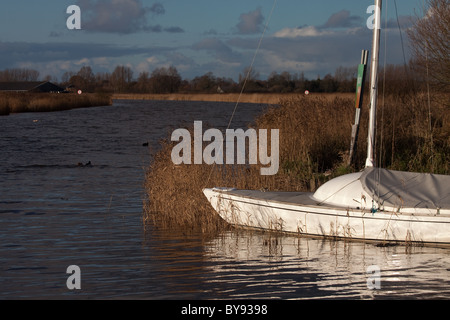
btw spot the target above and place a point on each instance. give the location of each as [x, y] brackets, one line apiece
[55, 213]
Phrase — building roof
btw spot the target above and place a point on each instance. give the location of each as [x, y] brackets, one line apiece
[30, 86]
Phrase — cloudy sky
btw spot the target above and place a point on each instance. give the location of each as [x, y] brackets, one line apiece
[196, 36]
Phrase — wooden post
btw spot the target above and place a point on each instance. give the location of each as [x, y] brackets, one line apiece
[358, 103]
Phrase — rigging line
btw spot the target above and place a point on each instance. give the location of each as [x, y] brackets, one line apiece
[380, 157]
[252, 63]
[246, 79]
[401, 35]
[429, 111]
[429, 103]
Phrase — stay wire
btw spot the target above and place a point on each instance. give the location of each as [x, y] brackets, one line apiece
[401, 37]
[246, 78]
[252, 63]
[380, 157]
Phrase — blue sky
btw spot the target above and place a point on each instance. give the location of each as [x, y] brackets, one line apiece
[196, 36]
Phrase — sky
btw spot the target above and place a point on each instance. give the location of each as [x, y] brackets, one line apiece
[312, 37]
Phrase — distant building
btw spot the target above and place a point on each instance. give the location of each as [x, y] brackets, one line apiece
[30, 86]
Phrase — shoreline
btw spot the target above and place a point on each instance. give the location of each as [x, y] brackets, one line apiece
[265, 98]
[18, 102]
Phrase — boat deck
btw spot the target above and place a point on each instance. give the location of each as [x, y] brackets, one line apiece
[297, 198]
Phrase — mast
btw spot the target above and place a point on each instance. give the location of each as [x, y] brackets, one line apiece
[373, 85]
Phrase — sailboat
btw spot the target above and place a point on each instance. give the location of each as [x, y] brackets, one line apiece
[374, 205]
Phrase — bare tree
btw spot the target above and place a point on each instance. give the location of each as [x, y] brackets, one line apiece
[430, 38]
[121, 77]
[165, 80]
[19, 75]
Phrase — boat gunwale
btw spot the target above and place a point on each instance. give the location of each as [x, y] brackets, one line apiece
[335, 211]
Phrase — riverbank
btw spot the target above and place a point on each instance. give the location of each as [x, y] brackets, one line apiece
[268, 98]
[315, 134]
[13, 102]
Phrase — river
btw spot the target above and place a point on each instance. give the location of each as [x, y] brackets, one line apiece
[71, 194]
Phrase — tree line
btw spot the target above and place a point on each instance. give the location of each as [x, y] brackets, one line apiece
[168, 80]
[430, 65]
[394, 78]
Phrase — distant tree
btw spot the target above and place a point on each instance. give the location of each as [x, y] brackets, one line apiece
[87, 74]
[165, 80]
[250, 74]
[226, 85]
[328, 84]
[49, 78]
[345, 78]
[19, 75]
[84, 79]
[430, 40]
[206, 83]
[103, 82]
[250, 77]
[299, 82]
[77, 82]
[121, 78]
[283, 82]
[143, 82]
[65, 78]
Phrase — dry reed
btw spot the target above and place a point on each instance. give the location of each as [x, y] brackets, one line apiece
[44, 102]
[314, 141]
[265, 98]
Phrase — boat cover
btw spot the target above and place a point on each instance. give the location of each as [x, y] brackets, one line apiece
[407, 189]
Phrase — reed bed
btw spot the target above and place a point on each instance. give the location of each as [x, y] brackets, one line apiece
[45, 102]
[314, 142]
[265, 98]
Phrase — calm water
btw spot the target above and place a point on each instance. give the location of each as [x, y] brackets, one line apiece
[55, 213]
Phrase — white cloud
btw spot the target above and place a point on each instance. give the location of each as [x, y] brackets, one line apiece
[276, 62]
[148, 64]
[84, 61]
[308, 31]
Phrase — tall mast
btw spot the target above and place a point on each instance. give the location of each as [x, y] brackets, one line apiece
[373, 85]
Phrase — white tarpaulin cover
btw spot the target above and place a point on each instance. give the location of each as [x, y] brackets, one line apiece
[407, 189]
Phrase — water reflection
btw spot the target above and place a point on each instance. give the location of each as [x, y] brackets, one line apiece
[252, 265]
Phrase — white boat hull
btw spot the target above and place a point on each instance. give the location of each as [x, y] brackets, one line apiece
[373, 205]
[299, 213]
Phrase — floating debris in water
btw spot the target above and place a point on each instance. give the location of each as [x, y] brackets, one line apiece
[87, 164]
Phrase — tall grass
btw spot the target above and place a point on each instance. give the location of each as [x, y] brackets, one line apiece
[314, 142]
[265, 98]
[44, 102]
